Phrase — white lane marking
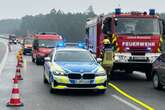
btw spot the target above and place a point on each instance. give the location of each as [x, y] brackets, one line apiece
[3, 62]
[126, 102]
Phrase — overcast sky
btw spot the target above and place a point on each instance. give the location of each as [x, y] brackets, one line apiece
[19, 8]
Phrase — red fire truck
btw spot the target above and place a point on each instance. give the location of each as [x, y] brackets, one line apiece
[136, 39]
[43, 43]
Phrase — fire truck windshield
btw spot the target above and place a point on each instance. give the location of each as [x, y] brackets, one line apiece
[137, 26]
[47, 43]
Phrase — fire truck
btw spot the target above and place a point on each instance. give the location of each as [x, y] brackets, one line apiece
[136, 39]
[43, 44]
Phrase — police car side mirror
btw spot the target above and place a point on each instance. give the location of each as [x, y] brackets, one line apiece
[47, 59]
[99, 60]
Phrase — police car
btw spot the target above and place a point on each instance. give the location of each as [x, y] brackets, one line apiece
[74, 68]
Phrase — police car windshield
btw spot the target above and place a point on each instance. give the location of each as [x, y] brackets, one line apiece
[47, 43]
[137, 26]
[73, 56]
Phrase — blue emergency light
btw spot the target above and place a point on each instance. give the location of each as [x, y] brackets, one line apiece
[152, 11]
[60, 44]
[118, 11]
[127, 48]
[81, 45]
[149, 49]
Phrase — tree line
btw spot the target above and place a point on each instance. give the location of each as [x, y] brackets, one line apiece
[70, 25]
[9, 26]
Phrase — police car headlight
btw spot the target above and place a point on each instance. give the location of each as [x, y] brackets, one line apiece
[101, 74]
[58, 73]
[100, 71]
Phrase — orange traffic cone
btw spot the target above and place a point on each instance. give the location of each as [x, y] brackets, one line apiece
[19, 63]
[20, 51]
[15, 100]
[21, 59]
[18, 74]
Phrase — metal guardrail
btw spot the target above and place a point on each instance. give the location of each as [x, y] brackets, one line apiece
[4, 37]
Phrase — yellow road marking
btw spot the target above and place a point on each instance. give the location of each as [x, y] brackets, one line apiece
[131, 98]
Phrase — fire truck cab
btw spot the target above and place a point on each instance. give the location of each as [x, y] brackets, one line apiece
[136, 38]
[43, 44]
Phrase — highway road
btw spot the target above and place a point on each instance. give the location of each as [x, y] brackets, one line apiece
[3, 51]
[36, 96]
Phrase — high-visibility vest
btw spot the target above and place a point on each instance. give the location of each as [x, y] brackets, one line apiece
[108, 59]
[106, 41]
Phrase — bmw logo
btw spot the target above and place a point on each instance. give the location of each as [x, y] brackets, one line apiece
[81, 71]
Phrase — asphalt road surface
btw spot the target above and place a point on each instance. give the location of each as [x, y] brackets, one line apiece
[2, 50]
[36, 96]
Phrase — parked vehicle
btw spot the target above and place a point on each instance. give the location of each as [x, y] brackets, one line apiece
[43, 45]
[12, 39]
[159, 72]
[74, 68]
[27, 46]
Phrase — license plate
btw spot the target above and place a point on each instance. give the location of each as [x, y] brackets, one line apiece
[83, 81]
[138, 58]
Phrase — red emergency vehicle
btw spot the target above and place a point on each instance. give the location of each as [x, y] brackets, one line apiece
[43, 44]
[136, 38]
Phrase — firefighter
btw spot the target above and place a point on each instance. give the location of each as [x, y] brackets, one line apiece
[107, 55]
[106, 42]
